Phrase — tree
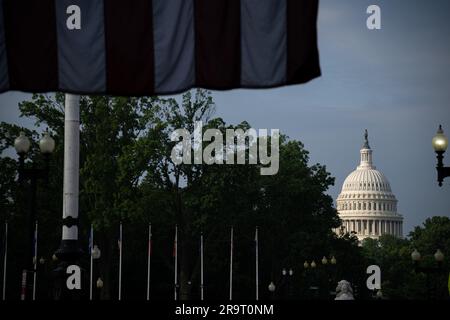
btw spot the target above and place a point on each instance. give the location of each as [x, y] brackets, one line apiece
[393, 255]
[127, 174]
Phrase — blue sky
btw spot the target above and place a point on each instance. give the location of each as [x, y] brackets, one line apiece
[395, 82]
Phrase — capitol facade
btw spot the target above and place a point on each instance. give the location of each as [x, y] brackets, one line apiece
[366, 204]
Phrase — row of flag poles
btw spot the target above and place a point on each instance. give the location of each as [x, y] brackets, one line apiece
[149, 254]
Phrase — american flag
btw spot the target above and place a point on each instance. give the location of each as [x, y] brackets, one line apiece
[91, 240]
[134, 47]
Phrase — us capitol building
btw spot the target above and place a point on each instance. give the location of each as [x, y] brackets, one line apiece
[366, 204]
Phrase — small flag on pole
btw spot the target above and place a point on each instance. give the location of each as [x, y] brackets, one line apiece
[91, 240]
[35, 243]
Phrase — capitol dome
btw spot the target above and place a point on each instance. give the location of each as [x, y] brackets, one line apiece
[366, 204]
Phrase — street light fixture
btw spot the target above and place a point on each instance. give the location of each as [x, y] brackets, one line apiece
[46, 144]
[22, 145]
[415, 256]
[313, 264]
[440, 144]
[96, 252]
[324, 260]
[272, 287]
[306, 265]
[438, 257]
[333, 260]
[99, 283]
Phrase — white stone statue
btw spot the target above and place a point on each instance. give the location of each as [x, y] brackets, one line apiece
[344, 291]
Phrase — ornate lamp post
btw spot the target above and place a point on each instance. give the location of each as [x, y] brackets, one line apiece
[439, 257]
[328, 265]
[440, 144]
[22, 145]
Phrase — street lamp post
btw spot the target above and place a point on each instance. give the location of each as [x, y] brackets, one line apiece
[439, 257]
[328, 265]
[290, 287]
[440, 144]
[22, 145]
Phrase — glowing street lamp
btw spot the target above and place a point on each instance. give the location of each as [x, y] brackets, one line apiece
[440, 144]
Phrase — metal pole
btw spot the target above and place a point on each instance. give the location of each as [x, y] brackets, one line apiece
[91, 241]
[71, 167]
[256, 265]
[69, 251]
[149, 259]
[231, 264]
[35, 260]
[176, 263]
[24, 285]
[120, 262]
[30, 263]
[5, 260]
[201, 266]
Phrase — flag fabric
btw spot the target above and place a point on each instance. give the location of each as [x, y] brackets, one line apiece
[91, 240]
[35, 258]
[35, 246]
[148, 47]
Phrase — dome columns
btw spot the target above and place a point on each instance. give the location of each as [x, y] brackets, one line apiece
[373, 227]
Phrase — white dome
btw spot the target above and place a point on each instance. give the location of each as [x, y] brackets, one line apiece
[366, 180]
[366, 204]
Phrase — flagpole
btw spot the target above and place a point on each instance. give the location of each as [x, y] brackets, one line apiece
[23, 289]
[91, 241]
[148, 259]
[231, 264]
[201, 266]
[5, 259]
[35, 260]
[176, 262]
[256, 264]
[120, 262]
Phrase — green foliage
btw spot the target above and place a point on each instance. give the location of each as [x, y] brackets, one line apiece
[126, 174]
[399, 277]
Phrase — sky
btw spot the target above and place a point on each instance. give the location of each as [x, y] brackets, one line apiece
[395, 82]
